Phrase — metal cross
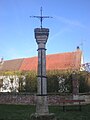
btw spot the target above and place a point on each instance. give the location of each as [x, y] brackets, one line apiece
[41, 17]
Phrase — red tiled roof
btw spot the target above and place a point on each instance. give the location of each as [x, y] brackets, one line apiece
[29, 64]
[61, 61]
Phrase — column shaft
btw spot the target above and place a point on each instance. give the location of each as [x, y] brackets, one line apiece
[41, 36]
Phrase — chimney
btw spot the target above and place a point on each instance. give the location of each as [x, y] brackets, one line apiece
[1, 61]
[78, 48]
[78, 58]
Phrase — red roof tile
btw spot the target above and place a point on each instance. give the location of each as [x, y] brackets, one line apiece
[63, 61]
[29, 64]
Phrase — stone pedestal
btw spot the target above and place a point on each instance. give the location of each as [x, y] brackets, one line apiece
[43, 117]
[75, 97]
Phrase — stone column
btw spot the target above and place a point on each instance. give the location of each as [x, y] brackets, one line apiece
[42, 112]
[41, 36]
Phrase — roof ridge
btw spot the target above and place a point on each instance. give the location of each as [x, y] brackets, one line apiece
[37, 56]
[61, 53]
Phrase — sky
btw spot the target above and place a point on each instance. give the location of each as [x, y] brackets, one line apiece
[69, 27]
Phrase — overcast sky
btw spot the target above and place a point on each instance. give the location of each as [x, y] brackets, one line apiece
[69, 27]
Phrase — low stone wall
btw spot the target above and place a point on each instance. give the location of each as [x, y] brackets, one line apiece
[7, 98]
[25, 98]
[86, 97]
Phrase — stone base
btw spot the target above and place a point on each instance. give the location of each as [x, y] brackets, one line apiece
[36, 116]
[75, 97]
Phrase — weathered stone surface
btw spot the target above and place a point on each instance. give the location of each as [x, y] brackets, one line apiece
[41, 36]
[43, 117]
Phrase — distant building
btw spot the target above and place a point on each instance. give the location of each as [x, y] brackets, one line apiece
[60, 61]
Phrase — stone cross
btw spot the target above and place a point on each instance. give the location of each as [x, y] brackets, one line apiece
[41, 36]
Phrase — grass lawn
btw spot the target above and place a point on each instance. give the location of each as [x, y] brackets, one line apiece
[23, 112]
